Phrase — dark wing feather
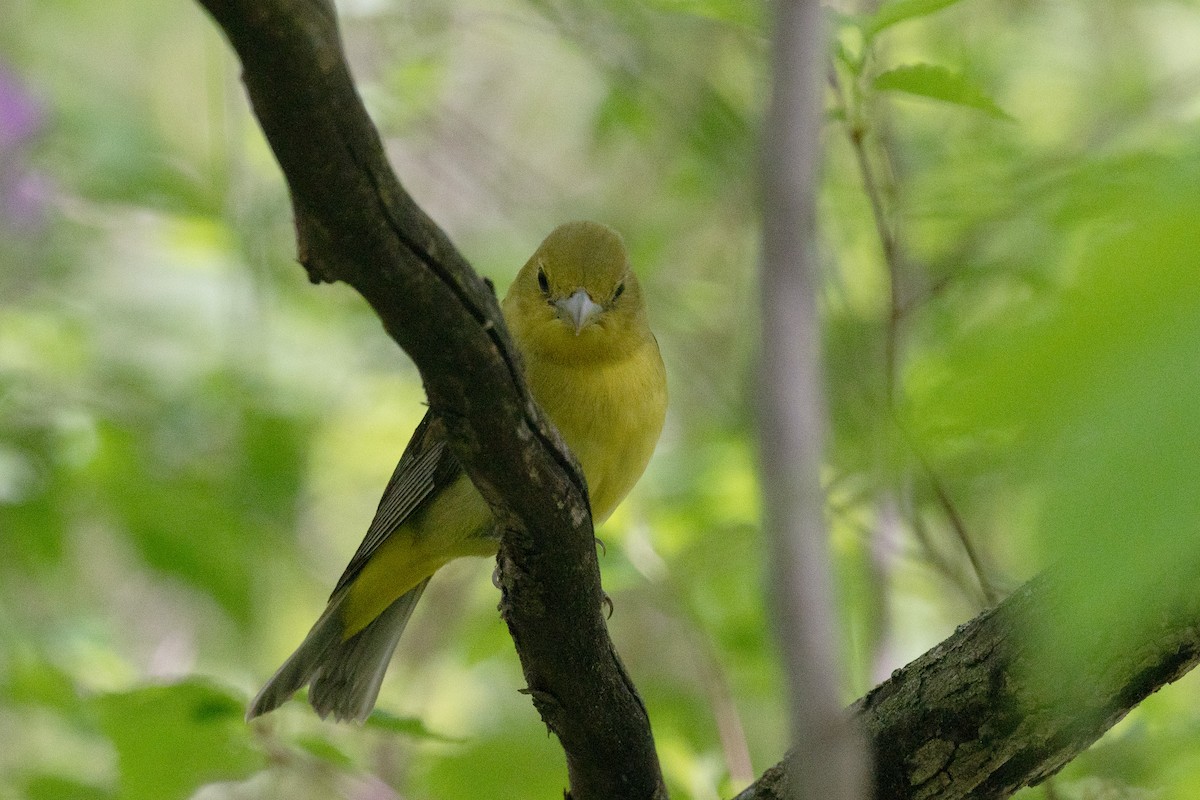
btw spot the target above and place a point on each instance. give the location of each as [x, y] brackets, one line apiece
[426, 466]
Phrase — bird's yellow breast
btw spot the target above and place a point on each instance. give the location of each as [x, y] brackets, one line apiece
[610, 415]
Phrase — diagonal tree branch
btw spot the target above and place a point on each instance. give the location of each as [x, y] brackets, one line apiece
[355, 223]
[983, 714]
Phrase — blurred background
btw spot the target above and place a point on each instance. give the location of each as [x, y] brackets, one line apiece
[193, 439]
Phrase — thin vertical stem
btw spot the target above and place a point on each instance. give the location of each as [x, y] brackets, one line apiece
[828, 760]
[893, 259]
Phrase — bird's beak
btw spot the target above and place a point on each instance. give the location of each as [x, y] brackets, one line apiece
[579, 309]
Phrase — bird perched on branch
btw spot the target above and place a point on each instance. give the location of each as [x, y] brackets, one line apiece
[576, 313]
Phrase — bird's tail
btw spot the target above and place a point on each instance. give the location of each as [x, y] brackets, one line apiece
[344, 675]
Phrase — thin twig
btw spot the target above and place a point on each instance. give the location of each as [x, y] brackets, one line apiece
[960, 530]
[856, 133]
[990, 593]
[730, 731]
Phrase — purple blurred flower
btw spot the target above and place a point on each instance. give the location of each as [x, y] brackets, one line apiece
[21, 117]
[23, 191]
[24, 200]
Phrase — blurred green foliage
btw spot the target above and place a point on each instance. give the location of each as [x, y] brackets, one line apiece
[192, 438]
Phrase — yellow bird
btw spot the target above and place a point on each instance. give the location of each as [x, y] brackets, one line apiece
[576, 312]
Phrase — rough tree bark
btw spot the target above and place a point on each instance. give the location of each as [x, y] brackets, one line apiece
[979, 716]
[355, 223]
[963, 720]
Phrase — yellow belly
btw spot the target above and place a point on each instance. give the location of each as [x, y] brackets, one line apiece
[610, 415]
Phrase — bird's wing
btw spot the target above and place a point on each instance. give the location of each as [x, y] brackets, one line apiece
[426, 467]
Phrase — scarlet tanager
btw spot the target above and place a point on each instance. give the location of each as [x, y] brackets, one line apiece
[576, 312]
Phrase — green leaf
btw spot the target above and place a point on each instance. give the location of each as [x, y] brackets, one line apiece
[1096, 388]
[898, 11]
[172, 739]
[179, 516]
[32, 680]
[32, 489]
[624, 112]
[409, 726]
[324, 750]
[732, 12]
[938, 83]
[56, 787]
[487, 767]
[205, 489]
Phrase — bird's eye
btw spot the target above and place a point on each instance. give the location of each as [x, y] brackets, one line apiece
[543, 281]
[620, 290]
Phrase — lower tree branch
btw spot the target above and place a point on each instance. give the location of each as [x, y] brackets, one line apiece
[355, 223]
[987, 711]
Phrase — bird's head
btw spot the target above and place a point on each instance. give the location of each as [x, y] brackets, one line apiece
[576, 299]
